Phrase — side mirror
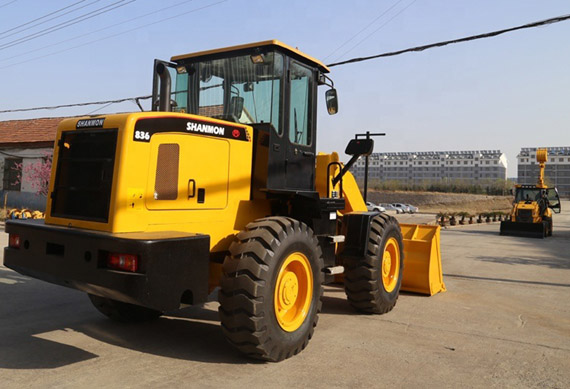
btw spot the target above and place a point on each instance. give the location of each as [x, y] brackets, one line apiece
[332, 101]
[360, 147]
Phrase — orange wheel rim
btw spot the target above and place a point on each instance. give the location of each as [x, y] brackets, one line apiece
[293, 292]
[390, 264]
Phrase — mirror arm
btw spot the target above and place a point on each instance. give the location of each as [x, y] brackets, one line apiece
[325, 80]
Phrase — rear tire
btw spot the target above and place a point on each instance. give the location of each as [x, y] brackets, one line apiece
[372, 283]
[271, 288]
[548, 221]
[123, 312]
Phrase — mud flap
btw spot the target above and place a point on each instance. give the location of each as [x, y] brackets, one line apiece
[422, 259]
[532, 230]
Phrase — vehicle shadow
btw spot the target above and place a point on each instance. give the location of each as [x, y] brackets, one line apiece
[474, 232]
[169, 336]
[562, 262]
[335, 302]
[334, 305]
[32, 313]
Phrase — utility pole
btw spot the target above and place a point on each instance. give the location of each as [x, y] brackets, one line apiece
[367, 135]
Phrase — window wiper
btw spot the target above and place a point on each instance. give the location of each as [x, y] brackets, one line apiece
[297, 132]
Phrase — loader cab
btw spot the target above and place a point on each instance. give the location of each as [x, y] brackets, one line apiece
[530, 194]
[267, 85]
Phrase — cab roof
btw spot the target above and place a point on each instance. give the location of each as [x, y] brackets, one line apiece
[265, 44]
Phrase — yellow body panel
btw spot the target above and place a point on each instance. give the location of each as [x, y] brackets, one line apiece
[350, 190]
[204, 160]
[222, 166]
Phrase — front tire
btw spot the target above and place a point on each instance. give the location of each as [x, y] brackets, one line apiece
[372, 283]
[548, 221]
[271, 288]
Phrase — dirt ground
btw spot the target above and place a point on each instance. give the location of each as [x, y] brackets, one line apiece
[434, 202]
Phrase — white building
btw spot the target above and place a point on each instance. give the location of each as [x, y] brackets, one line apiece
[557, 171]
[429, 166]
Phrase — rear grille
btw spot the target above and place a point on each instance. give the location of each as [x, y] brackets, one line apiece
[524, 216]
[84, 175]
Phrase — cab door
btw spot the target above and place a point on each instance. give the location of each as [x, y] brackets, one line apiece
[188, 172]
[300, 129]
[553, 199]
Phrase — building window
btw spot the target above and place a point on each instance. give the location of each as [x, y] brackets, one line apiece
[12, 174]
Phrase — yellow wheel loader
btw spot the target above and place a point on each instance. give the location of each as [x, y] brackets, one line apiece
[221, 187]
[533, 205]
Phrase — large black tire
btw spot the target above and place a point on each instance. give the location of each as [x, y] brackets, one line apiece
[548, 221]
[251, 274]
[363, 281]
[123, 312]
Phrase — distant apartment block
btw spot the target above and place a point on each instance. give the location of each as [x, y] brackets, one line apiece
[418, 167]
[557, 172]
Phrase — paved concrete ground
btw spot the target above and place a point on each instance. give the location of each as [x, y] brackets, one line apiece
[504, 322]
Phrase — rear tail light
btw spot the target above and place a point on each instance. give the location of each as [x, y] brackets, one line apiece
[124, 262]
[14, 241]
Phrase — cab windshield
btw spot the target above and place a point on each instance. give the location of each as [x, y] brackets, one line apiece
[243, 89]
[527, 194]
[535, 194]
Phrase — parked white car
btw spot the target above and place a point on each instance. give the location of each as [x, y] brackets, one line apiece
[402, 207]
[412, 208]
[390, 207]
[374, 207]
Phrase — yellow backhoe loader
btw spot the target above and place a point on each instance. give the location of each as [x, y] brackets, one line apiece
[220, 186]
[531, 214]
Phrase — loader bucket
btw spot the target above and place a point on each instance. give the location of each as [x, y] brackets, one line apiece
[532, 230]
[422, 259]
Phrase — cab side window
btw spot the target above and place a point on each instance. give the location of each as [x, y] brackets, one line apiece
[300, 103]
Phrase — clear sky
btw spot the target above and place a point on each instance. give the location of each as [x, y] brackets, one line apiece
[504, 93]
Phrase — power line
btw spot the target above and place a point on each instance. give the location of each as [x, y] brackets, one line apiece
[8, 3]
[363, 29]
[378, 29]
[67, 23]
[40, 18]
[98, 30]
[100, 108]
[557, 19]
[114, 35]
[389, 54]
[133, 99]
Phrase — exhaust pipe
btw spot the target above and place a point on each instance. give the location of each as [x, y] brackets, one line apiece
[165, 82]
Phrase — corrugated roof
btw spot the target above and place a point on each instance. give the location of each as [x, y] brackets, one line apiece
[29, 130]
